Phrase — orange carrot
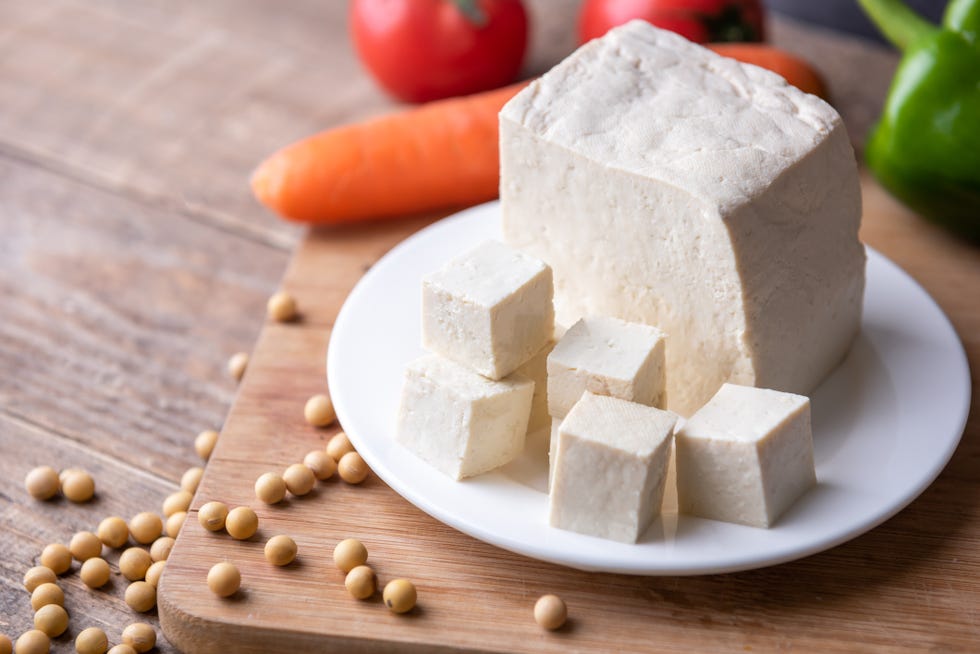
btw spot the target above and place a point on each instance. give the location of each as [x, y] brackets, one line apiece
[796, 71]
[440, 155]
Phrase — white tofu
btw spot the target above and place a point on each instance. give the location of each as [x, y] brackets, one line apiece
[553, 450]
[607, 356]
[667, 185]
[746, 456]
[610, 468]
[536, 369]
[462, 423]
[489, 309]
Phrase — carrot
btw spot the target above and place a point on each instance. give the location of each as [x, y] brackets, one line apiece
[440, 155]
[796, 71]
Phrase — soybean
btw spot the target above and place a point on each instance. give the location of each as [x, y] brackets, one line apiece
[95, 572]
[321, 463]
[299, 479]
[224, 579]
[280, 550]
[176, 502]
[57, 557]
[113, 532]
[319, 411]
[140, 636]
[242, 523]
[400, 595]
[85, 545]
[281, 307]
[270, 488]
[160, 550]
[42, 483]
[92, 641]
[205, 442]
[38, 575]
[47, 594]
[191, 478]
[78, 486]
[141, 596]
[352, 468]
[213, 515]
[550, 612]
[33, 642]
[339, 445]
[52, 620]
[134, 562]
[145, 527]
[349, 553]
[360, 582]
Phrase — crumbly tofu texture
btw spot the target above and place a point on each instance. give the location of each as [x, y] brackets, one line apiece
[462, 423]
[667, 185]
[611, 467]
[607, 356]
[490, 309]
[746, 456]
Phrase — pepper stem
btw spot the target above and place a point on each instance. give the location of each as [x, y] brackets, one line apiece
[963, 16]
[897, 22]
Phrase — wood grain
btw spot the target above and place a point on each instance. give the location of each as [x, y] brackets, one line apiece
[910, 585]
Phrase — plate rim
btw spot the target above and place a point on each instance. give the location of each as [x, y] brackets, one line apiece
[746, 561]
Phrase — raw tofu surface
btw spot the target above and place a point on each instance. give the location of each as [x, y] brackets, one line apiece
[746, 457]
[489, 309]
[611, 467]
[462, 423]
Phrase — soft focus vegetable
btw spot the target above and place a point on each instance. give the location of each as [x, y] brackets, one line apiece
[438, 156]
[422, 50]
[925, 148]
[701, 21]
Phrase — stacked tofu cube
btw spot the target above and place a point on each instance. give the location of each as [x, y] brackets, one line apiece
[610, 438]
[611, 467]
[486, 316]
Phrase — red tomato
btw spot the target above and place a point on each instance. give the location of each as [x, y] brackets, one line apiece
[421, 50]
[701, 21]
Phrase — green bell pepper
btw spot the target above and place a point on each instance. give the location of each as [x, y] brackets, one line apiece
[925, 148]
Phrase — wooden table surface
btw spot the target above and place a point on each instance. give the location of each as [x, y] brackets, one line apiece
[133, 260]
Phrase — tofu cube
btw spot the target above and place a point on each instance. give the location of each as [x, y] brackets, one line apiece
[462, 423]
[536, 369]
[607, 356]
[490, 309]
[746, 456]
[610, 468]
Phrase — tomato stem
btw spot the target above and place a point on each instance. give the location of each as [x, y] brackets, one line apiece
[472, 11]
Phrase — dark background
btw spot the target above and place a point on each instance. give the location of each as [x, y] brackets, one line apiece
[846, 15]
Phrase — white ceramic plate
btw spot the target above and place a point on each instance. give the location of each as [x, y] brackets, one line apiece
[884, 425]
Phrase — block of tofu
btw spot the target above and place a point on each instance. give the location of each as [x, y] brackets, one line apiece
[607, 356]
[536, 369]
[665, 184]
[490, 309]
[610, 468]
[746, 456]
[462, 423]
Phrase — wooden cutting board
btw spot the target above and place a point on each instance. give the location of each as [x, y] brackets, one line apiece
[911, 584]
